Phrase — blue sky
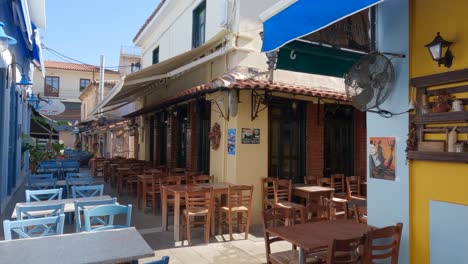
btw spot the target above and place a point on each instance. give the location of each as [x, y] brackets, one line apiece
[85, 29]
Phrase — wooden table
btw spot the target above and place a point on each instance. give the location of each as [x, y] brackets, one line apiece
[177, 191]
[317, 235]
[312, 193]
[69, 204]
[110, 246]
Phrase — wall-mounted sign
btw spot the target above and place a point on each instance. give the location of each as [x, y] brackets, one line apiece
[51, 107]
[382, 158]
[231, 145]
[250, 136]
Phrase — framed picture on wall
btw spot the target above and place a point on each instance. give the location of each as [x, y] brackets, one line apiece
[382, 158]
[231, 147]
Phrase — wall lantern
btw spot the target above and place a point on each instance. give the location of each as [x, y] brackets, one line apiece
[24, 83]
[5, 40]
[439, 49]
[33, 101]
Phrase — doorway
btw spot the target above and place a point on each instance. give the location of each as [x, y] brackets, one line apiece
[286, 140]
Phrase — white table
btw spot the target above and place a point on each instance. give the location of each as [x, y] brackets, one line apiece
[110, 246]
[69, 204]
[62, 183]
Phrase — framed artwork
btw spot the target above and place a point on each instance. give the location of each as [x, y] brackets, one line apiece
[382, 158]
[250, 136]
[231, 147]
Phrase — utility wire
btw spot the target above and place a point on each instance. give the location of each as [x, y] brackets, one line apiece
[72, 60]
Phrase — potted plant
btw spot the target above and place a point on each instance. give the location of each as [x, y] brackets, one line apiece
[442, 103]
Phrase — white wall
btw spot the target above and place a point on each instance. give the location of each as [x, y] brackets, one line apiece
[172, 29]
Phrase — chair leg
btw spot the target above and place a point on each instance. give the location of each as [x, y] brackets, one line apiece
[153, 203]
[220, 223]
[207, 229]
[188, 230]
[229, 218]
[247, 225]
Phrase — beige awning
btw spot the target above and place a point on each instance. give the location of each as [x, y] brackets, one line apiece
[135, 83]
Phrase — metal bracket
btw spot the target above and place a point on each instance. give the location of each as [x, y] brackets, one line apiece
[256, 100]
[224, 116]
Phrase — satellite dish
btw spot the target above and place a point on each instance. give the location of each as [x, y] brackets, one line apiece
[233, 101]
[369, 82]
[51, 107]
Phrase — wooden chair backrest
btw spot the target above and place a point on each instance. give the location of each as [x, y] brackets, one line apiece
[199, 199]
[240, 195]
[282, 190]
[347, 251]
[387, 246]
[178, 170]
[268, 192]
[311, 180]
[353, 185]
[360, 213]
[337, 183]
[197, 179]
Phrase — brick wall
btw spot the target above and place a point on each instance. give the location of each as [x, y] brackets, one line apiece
[360, 144]
[314, 140]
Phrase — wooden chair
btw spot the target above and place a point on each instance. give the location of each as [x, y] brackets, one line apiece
[177, 171]
[360, 213]
[153, 191]
[239, 202]
[198, 204]
[170, 180]
[277, 217]
[347, 251]
[353, 187]
[314, 212]
[311, 180]
[282, 190]
[198, 179]
[108, 211]
[386, 246]
[338, 183]
[349, 207]
[268, 193]
[52, 225]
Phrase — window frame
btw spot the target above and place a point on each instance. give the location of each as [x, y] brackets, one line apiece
[156, 51]
[82, 79]
[198, 37]
[58, 86]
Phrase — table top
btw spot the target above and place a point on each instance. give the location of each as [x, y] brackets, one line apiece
[69, 203]
[312, 188]
[110, 246]
[184, 188]
[317, 235]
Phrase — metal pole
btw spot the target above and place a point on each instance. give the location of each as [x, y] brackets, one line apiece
[101, 80]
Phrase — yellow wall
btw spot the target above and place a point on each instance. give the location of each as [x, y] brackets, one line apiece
[250, 163]
[435, 180]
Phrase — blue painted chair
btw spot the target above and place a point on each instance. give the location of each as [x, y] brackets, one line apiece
[70, 166]
[35, 211]
[76, 181]
[110, 211]
[42, 181]
[81, 205]
[77, 175]
[53, 168]
[163, 260]
[52, 225]
[87, 191]
[44, 195]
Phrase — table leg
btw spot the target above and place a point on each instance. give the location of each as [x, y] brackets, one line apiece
[144, 187]
[301, 256]
[164, 209]
[139, 193]
[177, 216]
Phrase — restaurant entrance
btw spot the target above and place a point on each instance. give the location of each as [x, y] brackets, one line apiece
[287, 140]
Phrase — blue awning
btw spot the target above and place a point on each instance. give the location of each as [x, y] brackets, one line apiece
[305, 17]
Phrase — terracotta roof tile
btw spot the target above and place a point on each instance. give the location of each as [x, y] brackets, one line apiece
[149, 19]
[73, 67]
[231, 82]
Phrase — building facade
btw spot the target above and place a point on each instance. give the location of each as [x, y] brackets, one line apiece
[65, 82]
[202, 72]
[18, 58]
